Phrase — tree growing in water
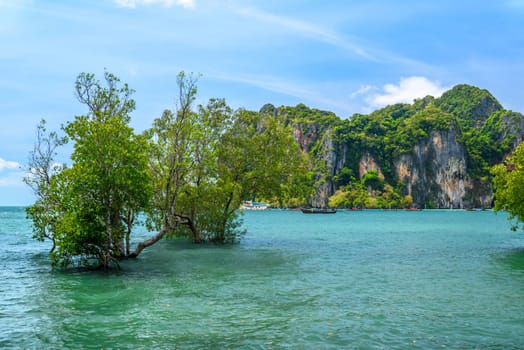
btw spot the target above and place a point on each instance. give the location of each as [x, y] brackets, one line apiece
[206, 162]
[89, 208]
[188, 173]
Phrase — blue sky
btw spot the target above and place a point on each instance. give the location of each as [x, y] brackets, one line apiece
[339, 55]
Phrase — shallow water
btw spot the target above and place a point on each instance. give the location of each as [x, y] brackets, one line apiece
[359, 280]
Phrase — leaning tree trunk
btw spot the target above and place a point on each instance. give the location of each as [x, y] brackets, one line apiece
[221, 234]
[149, 242]
[184, 220]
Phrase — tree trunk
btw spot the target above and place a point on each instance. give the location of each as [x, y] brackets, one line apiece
[148, 242]
[221, 236]
[129, 221]
[128, 242]
[54, 245]
[184, 220]
[107, 253]
[197, 237]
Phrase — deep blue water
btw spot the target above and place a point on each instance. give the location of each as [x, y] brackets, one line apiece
[353, 280]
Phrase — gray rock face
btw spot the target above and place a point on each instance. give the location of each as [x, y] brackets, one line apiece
[328, 156]
[305, 136]
[367, 163]
[436, 171]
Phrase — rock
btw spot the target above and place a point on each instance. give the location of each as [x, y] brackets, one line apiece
[435, 173]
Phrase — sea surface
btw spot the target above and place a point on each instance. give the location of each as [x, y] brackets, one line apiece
[353, 280]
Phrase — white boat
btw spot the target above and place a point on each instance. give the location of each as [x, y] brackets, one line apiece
[252, 205]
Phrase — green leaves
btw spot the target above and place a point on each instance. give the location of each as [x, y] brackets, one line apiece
[471, 105]
[205, 162]
[508, 185]
[81, 208]
[102, 102]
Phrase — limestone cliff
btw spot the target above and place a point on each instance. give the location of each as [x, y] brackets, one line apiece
[438, 151]
[435, 172]
[327, 159]
[368, 163]
[325, 156]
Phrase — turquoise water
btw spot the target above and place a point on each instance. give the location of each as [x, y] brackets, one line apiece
[353, 280]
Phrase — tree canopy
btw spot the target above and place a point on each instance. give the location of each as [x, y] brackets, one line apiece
[88, 209]
[187, 175]
[508, 184]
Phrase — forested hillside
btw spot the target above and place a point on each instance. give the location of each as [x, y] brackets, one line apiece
[433, 153]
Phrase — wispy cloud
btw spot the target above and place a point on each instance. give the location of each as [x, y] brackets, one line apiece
[346, 42]
[308, 29]
[405, 91]
[12, 176]
[266, 82]
[362, 91]
[7, 164]
[166, 3]
[314, 95]
[7, 4]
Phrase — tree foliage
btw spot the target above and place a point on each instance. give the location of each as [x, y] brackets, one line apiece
[45, 212]
[91, 206]
[508, 184]
[471, 105]
[187, 174]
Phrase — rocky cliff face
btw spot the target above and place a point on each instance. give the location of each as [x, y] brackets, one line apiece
[439, 150]
[306, 135]
[326, 155]
[368, 163]
[435, 172]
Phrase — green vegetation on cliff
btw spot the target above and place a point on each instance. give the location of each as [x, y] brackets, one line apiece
[485, 131]
[471, 105]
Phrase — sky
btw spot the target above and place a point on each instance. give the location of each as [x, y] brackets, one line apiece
[343, 56]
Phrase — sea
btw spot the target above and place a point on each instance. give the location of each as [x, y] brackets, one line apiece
[371, 279]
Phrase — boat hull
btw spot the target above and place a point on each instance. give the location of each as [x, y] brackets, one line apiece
[318, 211]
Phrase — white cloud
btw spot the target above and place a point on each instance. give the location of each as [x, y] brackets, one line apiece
[406, 91]
[363, 90]
[7, 164]
[266, 82]
[166, 3]
[13, 175]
